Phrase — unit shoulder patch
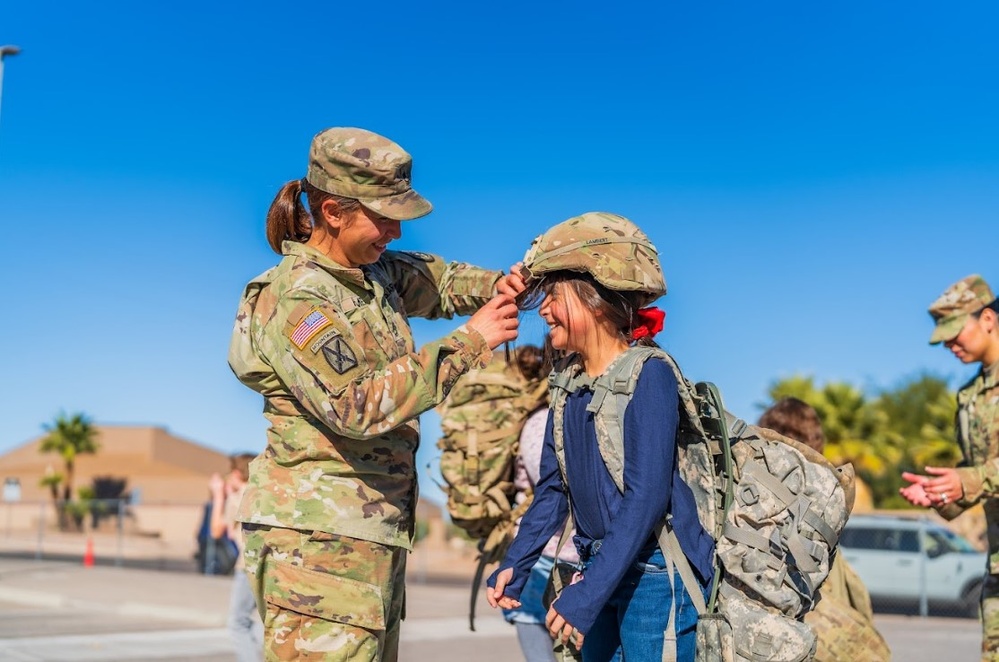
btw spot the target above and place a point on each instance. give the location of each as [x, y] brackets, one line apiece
[339, 355]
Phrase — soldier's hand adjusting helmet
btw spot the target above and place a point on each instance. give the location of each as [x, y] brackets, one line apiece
[609, 247]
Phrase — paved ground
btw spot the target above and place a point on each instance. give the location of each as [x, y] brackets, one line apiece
[61, 611]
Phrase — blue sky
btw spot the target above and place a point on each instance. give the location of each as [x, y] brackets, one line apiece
[814, 175]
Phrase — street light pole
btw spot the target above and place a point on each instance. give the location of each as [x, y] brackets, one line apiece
[4, 52]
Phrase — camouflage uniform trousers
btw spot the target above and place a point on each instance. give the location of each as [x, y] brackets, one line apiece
[324, 596]
[990, 619]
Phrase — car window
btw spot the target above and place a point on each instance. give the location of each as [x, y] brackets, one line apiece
[953, 542]
[936, 539]
[884, 539]
[908, 541]
[859, 538]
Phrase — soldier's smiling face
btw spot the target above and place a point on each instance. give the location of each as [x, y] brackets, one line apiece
[973, 343]
[363, 237]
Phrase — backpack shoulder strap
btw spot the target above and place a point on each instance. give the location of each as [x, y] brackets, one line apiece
[612, 392]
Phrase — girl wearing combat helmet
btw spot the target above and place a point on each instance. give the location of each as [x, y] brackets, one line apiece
[590, 277]
[328, 514]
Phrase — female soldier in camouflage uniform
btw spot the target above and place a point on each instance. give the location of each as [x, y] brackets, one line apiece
[329, 510]
[967, 323]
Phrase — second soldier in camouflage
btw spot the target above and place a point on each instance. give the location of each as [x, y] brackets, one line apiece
[967, 323]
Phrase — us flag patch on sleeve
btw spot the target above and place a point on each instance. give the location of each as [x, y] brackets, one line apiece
[310, 325]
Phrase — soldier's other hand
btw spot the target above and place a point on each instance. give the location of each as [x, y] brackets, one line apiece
[915, 492]
[943, 486]
[496, 321]
[916, 495]
[512, 283]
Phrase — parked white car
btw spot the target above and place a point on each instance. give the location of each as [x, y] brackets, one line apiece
[896, 557]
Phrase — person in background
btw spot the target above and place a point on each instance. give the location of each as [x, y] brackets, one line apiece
[843, 619]
[329, 513]
[245, 627]
[966, 320]
[529, 618]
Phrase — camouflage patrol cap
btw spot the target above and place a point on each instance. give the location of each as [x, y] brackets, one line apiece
[965, 297]
[359, 164]
[609, 247]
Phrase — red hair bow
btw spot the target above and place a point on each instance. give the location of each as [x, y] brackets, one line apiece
[649, 322]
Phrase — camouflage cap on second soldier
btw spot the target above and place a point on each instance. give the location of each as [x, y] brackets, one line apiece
[359, 164]
[609, 247]
[965, 297]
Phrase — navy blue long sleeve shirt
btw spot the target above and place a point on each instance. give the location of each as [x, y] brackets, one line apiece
[625, 522]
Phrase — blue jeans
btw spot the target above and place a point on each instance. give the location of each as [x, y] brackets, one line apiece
[633, 622]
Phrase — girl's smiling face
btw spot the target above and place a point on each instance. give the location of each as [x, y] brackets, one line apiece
[569, 321]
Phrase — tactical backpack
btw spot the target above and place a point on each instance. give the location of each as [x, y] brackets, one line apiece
[774, 507]
[481, 420]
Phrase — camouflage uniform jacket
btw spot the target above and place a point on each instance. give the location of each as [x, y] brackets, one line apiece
[331, 351]
[978, 436]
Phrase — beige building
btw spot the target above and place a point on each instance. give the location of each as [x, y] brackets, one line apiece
[166, 475]
[158, 466]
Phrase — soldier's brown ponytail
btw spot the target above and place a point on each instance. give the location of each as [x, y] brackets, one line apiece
[289, 220]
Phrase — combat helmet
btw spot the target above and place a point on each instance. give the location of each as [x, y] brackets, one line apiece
[609, 247]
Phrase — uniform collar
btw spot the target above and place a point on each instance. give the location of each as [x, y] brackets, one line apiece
[321, 260]
[991, 373]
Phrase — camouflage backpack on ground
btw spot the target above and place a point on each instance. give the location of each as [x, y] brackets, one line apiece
[481, 420]
[774, 507]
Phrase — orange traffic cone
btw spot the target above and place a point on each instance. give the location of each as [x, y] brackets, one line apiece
[88, 555]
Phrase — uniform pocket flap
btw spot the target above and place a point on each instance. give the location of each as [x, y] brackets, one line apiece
[325, 596]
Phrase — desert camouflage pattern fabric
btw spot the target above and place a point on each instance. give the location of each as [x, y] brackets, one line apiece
[843, 619]
[978, 437]
[609, 247]
[359, 164]
[950, 311]
[331, 351]
[773, 544]
[481, 422]
[326, 597]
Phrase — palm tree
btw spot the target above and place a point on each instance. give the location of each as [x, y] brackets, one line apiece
[52, 480]
[69, 437]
